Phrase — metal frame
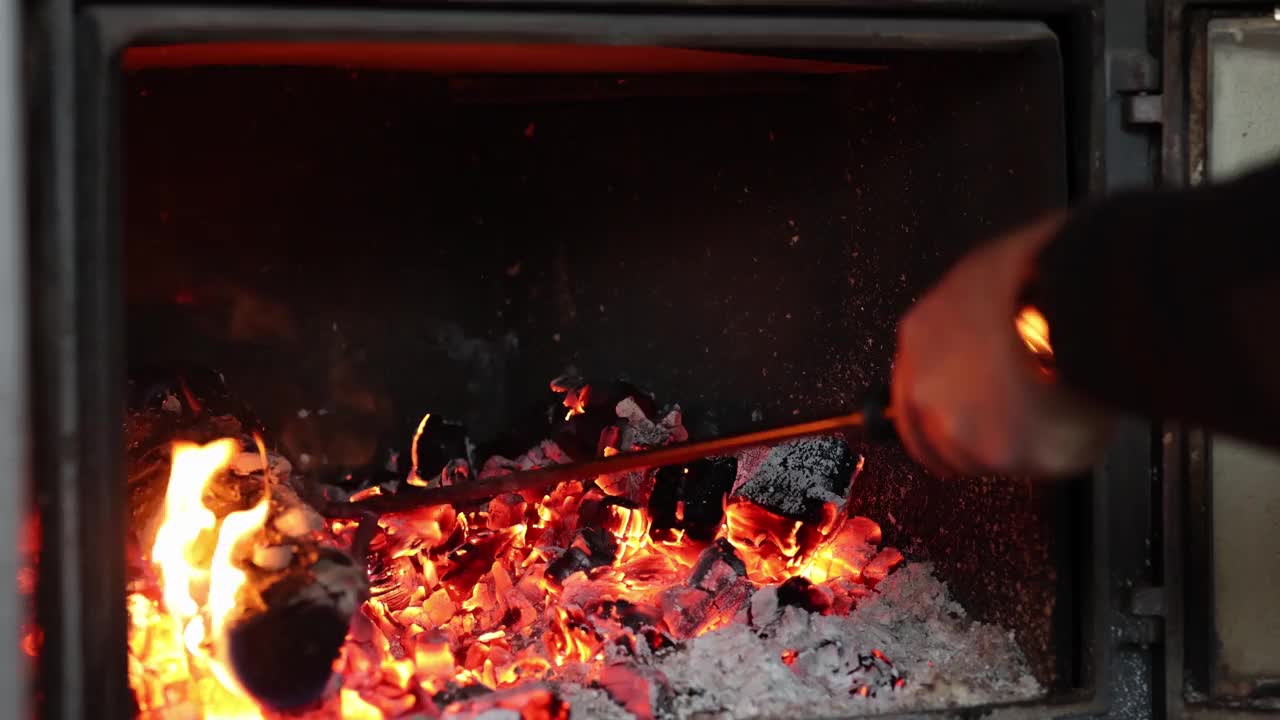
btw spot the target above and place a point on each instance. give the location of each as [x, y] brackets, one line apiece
[1191, 667]
[77, 310]
[14, 373]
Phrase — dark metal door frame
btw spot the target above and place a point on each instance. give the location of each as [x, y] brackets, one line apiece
[77, 315]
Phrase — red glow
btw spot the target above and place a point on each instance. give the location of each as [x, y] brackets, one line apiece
[473, 58]
[575, 400]
[32, 641]
[525, 589]
[366, 493]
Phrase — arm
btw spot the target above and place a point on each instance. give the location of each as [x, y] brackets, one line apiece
[1168, 304]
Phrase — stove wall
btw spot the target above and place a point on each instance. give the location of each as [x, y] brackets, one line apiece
[376, 244]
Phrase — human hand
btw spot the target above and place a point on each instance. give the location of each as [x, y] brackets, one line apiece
[969, 395]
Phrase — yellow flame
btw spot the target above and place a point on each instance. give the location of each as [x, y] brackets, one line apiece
[185, 517]
[355, 707]
[413, 478]
[1033, 328]
[225, 579]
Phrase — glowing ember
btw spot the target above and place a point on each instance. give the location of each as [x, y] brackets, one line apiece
[414, 478]
[486, 608]
[1033, 329]
[576, 401]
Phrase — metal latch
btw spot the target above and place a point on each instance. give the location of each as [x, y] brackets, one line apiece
[1135, 76]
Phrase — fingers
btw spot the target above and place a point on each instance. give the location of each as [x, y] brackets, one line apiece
[924, 434]
[906, 419]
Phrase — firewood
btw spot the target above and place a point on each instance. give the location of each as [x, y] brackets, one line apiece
[300, 590]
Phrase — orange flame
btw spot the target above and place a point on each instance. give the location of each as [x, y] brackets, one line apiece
[414, 478]
[354, 707]
[1033, 329]
[576, 401]
[225, 579]
[465, 597]
[185, 517]
[177, 643]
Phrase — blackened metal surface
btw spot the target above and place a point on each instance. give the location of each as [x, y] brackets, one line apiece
[76, 362]
[381, 245]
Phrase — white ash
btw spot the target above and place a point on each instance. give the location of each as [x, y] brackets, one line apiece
[795, 477]
[248, 463]
[639, 430]
[945, 659]
[541, 455]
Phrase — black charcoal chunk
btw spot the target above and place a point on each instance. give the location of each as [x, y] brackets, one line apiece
[460, 694]
[593, 509]
[797, 478]
[506, 510]
[284, 656]
[717, 566]
[570, 562]
[579, 435]
[628, 614]
[599, 544]
[691, 497]
[799, 592]
[191, 392]
[441, 442]
[592, 548]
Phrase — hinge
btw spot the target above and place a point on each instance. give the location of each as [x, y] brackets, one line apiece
[1135, 76]
[1144, 622]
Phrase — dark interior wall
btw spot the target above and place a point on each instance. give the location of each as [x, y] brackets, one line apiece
[380, 244]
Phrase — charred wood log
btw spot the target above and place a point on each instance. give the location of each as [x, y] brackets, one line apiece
[593, 547]
[300, 591]
[283, 651]
[297, 603]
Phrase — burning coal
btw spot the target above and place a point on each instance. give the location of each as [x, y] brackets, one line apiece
[248, 604]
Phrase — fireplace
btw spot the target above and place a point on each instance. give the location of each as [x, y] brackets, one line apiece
[400, 247]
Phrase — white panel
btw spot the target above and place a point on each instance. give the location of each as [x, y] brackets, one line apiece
[1244, 130]
[13, 375]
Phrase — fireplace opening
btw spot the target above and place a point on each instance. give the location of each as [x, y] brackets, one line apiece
[350, 267]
